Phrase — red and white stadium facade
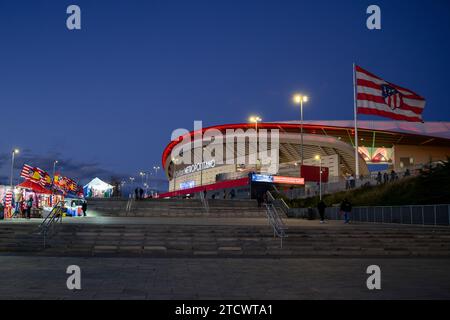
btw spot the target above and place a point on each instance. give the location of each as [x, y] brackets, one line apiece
[397, 144]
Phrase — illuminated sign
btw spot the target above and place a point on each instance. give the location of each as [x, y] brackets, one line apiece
[277, 179]
[187, 184]
[288, 180]
[197, 167]
[262, 178]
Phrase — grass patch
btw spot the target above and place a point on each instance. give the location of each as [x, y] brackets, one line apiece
[432, 186]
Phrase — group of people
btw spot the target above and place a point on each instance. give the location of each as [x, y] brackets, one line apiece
[393, 176]
[139, 194]
[350, 182]
[24, 208]
[345, 209]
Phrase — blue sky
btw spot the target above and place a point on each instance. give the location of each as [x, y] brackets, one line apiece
[105, 99]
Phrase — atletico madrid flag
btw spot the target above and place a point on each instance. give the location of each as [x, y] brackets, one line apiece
[379, 97]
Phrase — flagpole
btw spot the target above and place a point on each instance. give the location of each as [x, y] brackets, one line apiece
[356, 123]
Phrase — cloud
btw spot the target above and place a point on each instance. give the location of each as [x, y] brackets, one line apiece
[79, 171]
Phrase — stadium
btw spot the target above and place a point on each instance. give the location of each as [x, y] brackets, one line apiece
[382, 146]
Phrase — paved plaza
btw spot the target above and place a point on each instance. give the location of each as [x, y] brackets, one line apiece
[28, 277]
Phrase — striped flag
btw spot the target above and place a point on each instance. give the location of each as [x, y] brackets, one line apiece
[26, 171]
[8, 199]
[378, 97]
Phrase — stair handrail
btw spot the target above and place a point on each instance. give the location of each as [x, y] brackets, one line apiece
[129, 203]
[276, 222]
[204, 202]
[53, 217]
[280, 203]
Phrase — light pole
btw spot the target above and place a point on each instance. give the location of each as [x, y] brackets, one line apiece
[255, 120]
[299, 99]
[201, 168]
[156, 168]
[13, 154]
[174, 160]
[319, 158]
[142, 174]
[54, 168]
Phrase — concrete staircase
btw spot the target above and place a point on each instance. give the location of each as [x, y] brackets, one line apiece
[177, 208]
[151, 240]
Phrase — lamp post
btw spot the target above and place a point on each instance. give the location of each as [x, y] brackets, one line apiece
[13, 154]
[174, 160]
[255, 120]
[156, 168]
[142, 174]
[299, 99]
[54, 167]
[319, 158]
[201, 168]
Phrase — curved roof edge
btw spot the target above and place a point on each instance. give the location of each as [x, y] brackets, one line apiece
[430, 129]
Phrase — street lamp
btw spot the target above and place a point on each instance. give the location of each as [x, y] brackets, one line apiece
[255, 120]
[142, 174]
[13, 154]
[319, 158]
[156, 168]
[54, 168]
[299, 99]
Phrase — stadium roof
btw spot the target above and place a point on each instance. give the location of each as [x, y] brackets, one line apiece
[370, 133]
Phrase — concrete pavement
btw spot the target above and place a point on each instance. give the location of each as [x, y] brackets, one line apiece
[122, 278]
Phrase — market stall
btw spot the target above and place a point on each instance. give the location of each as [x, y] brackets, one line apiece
[98, 189]
[42, 197]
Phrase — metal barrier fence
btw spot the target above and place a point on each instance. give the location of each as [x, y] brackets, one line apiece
[437, 215]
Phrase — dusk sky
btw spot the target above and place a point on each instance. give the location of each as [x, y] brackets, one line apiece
[105, 99]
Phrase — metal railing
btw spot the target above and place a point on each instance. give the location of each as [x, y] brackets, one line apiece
[129, 203]
[204, 202]
[276, 222]
[48, 225]
[280, 204]
[432, 215]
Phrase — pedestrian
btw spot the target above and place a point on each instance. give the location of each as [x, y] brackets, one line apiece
[136, 194]
[393, 174]
[346, 208]
[29, 206]
[84, 208]
[379, 178]
[385, 177]
[205, 193]
[407, 173]
[352, 181]
[141, 193]
[321, 208]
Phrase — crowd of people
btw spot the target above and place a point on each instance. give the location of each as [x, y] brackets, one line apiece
[393, 176]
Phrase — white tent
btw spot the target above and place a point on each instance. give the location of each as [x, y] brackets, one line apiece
[98, 188]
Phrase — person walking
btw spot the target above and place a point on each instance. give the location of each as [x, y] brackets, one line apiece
[136, 194]
[385, 177]
[84, 208]
[379, 178]
[407, 173]
[393, 174]
[346, 208]
[352, 181]
[321, 206]
[141, 193]
[29, 206]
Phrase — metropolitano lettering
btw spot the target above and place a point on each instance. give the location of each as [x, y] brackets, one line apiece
[206, 148]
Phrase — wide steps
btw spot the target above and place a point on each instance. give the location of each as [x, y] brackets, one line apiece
[226, 241]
